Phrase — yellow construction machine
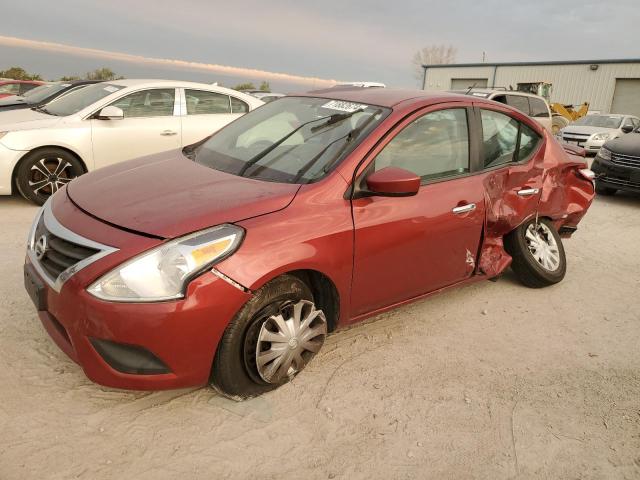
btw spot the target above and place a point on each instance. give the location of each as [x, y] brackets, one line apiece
[562, 115]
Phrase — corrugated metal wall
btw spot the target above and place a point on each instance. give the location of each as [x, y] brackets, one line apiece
[572, 84]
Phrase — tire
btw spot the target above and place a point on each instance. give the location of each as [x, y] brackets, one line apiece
[606, 191]
[540, 269]
[43, 172]
[236, 372]
[558, 122]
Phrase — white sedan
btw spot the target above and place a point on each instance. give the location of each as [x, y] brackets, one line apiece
[105, 123]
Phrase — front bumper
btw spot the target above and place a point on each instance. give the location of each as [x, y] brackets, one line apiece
[8, 161]
[109, 340]
[612, 175]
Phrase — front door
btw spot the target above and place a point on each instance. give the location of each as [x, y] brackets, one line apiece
[408, 246]
[149, 126]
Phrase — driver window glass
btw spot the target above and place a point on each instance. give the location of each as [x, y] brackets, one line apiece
[11, 88]
[499, 136]
[435, 145]
[148, 103]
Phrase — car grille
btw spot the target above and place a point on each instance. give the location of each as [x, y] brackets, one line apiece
[621, 182]
[59, 254]
[625, 160]
[575, 137]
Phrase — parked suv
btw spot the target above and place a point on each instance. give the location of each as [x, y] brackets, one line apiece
[529, 104]
[617, 165]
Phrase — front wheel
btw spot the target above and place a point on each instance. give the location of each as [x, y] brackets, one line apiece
[271, 339]
[43, 172]
[538, 254]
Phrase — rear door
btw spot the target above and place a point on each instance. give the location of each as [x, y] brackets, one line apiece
[512, 157]
[408, 246]
[149, 126]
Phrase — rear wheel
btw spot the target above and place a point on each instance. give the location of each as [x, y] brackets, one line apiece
[43, 172]
[538, 254]
[602, 190]
[271, 339]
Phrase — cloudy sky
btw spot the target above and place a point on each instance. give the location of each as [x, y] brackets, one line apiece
[307, 41]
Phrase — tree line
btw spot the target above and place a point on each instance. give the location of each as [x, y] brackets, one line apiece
[105, 74]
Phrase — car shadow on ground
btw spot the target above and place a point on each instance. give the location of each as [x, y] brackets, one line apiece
[620, 198]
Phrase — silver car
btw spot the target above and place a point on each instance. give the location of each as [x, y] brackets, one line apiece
[592, 131]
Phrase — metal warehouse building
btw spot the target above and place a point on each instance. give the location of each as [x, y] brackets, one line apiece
[610, 86]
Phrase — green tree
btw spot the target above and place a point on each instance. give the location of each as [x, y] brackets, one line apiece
[245, 86]
[19, 73]
[102, 74]
[265, 87]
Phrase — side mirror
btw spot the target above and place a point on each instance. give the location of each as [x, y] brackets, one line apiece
[110, 113]
[627, 128]
[393, 182]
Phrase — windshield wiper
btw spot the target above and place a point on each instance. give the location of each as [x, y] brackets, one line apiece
[331, 119]
[349, 137]
[41, 108]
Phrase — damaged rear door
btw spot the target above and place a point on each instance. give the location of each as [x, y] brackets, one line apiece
[512, 160]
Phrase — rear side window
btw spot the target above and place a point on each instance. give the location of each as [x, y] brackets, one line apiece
[238, 106]
[434, 146]
[538, 108]
[519, 103]
[25, 87]
[528, 143]
[506, 140]
[200, 102]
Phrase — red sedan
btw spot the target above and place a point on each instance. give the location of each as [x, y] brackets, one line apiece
[17, 87]
[229, 261]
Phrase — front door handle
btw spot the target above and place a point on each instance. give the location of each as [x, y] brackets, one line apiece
[527, 192]
[469, 207]
[168, 133]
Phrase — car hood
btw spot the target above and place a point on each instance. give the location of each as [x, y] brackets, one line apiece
[168, 195]
[628, 144]
[26, 119]
[586, 130]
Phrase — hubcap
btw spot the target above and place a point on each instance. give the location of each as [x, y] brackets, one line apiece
[543, 246]
[289, 340]
[48, 175]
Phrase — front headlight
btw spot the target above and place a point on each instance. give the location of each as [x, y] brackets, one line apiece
[604, 154]
[164, 272]
[601, 137]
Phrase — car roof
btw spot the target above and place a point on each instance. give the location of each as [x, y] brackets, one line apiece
[383, 97]
[151, 83]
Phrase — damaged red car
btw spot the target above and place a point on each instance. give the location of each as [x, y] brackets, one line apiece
[227, 263]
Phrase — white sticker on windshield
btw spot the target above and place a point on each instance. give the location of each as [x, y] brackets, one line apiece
[110, 89]
[343, 106]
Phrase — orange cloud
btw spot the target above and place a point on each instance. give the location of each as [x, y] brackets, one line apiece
[165, 62]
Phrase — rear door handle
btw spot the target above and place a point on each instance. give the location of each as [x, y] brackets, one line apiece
[527, 192]
[469, 207]
[168, 133]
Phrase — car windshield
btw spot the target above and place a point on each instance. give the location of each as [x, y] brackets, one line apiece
[294, 140]
[602, 121]
[43, 92]
[75, 101]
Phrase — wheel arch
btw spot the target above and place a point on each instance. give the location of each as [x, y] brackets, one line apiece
[325, 292]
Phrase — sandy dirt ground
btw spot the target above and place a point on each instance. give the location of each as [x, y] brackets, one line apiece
[489, 381]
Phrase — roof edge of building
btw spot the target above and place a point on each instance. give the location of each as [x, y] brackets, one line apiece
[522, 64]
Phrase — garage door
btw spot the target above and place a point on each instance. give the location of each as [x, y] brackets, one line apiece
[626, 98]
[462, 83]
